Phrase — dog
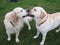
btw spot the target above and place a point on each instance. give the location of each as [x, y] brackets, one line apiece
[44, 22]
[14, 21]
[27, 20]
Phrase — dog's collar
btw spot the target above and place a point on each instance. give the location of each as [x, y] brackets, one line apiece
[12, 23]
[43, 21]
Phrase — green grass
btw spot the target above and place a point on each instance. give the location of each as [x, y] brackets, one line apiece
[26, 36]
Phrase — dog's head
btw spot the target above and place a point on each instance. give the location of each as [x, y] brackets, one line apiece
[38, 12]
[20, 12]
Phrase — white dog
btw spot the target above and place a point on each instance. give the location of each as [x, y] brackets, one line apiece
[44, 21]
[14, 22]
[27, 20]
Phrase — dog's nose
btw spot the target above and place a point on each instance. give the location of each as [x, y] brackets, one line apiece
[28, 10]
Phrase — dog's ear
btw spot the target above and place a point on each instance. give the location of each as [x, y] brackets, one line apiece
[43, 13]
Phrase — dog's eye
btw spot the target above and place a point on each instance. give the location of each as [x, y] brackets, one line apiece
[34, 9]
[21, 11]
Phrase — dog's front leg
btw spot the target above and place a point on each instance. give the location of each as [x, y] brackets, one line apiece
[36, 36]
[17, 39]
[9, 36]
[43, 38]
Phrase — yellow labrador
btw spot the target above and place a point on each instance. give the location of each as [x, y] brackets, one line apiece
[44, 21]
[14, 22]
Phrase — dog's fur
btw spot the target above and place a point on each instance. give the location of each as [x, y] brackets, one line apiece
[45, 22]
[14, 22]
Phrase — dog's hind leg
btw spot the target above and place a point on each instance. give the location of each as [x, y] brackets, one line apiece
[43, 38]
[58, 29]
[36, 36]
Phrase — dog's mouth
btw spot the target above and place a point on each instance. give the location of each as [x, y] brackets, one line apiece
[25, 16]
[29, 15]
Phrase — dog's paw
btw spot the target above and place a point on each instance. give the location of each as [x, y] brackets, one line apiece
[17, 40]
[42, 43]
[29, 28]
[57, 30]
[9, 39]
[35, 37]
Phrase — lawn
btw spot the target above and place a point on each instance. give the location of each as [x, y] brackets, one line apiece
[26, 36]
